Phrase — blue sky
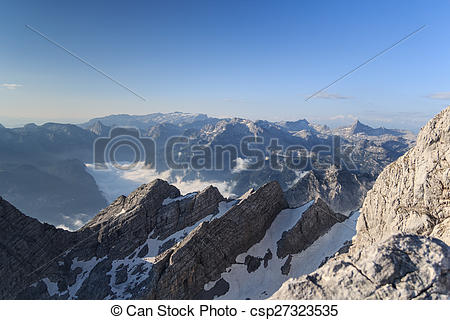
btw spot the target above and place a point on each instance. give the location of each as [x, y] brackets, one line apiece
[252, 59]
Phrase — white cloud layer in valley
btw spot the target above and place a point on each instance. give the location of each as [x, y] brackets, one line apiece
[114, 182]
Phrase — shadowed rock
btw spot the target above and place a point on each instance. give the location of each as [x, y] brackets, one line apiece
[313, 224]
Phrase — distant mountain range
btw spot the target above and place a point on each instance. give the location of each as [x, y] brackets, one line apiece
[149, 120]
[360, 128]
[56, 153]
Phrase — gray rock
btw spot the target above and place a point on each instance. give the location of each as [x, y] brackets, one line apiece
[286, 268]
[115, 233]
[402, 267]
[252, 263]
[384, 262]
[26, 247]
[314, 223]
[412, 195]
[341, 189]
[206, 252]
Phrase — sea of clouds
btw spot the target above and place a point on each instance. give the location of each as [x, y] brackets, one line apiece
[114, 182]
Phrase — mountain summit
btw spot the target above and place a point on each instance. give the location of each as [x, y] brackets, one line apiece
[359, 127]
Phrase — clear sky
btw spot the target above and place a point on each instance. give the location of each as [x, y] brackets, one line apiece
[252, 59]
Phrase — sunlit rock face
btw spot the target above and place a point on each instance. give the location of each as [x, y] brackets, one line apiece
[401, 247]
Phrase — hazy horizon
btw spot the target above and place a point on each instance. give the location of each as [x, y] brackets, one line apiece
[332, 123]
[247, 59]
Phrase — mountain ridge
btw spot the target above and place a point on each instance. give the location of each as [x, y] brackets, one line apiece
[147, 245]
[400, 250]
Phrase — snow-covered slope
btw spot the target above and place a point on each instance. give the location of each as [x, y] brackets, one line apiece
[268, 278]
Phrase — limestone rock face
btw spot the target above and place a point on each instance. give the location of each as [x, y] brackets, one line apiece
[314, 223]
[401, 267]
[207, 251]
[25, 246]
[126, 223]
[342, 190]
[79, 264]
[401, 247]
[154, 243]
[412, 195]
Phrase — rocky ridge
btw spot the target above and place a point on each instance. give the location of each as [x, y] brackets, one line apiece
[315, 221]
[412, 195]
[401, 267]
[341, 189]
[157, 244]
[401, 247]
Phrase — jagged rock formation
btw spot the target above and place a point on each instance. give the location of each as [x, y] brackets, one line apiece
[282, 253]
[359, 127]
[25, 245]
[402, 267]
[341, 189]
[207, 251]
[412, 195]
[158, 244]
[315, 221]
[394, 255]
[40, 150]
[154, 243]
[99, 129]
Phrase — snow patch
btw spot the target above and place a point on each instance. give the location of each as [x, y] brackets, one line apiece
[170, 200]
[299, 176]
[132, 262]
[121, 212]
[86, 268]
[263, 282]
[52, 287]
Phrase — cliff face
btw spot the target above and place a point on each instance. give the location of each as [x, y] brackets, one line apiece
[211, 248]
[412, 195]
[313, 224]
[342, 190]
[401, 247]
[155, 243]
[158, 244]
[26, 245]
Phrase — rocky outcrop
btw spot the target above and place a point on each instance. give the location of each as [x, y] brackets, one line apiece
[358, 127]
[155, 208]
[26, 246]
[40, 256]
[155, 243]
[127, 222]
[412, 195]
[397, 252]
[314, 223]
[99, 129]
[341, 189]
[402, 267]
[207, 251]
